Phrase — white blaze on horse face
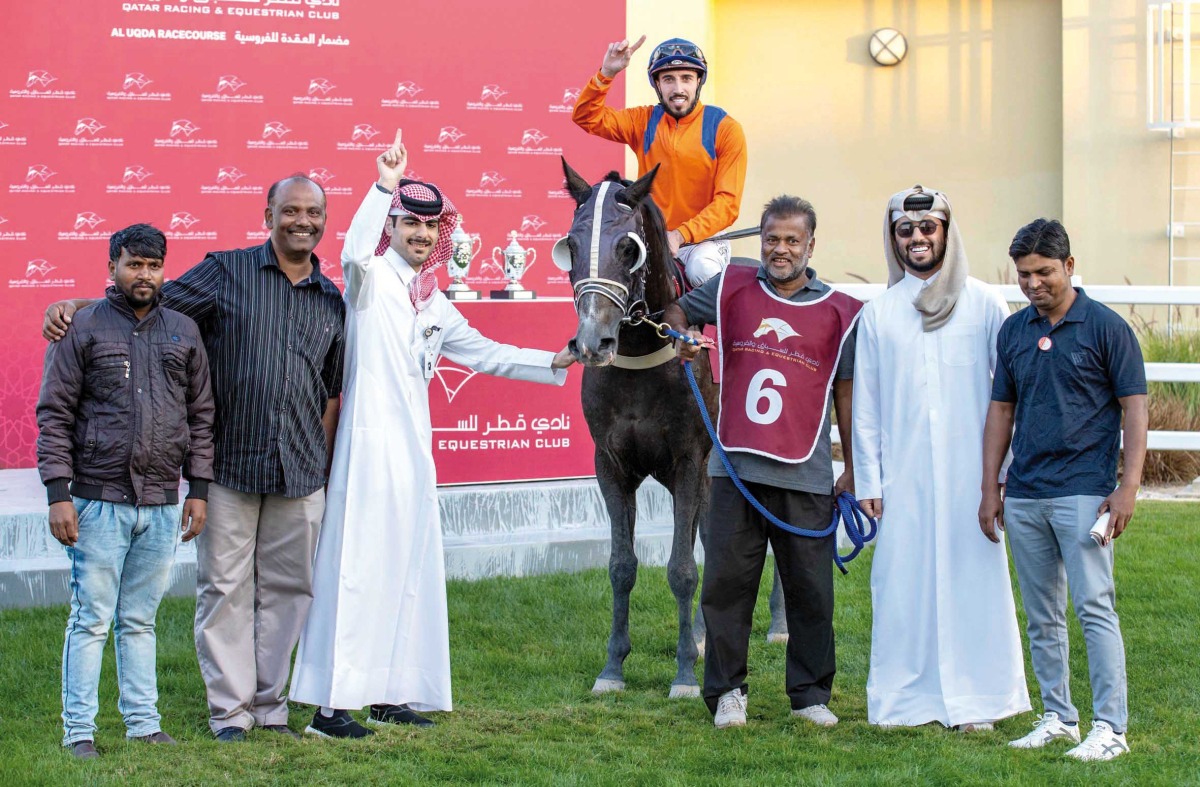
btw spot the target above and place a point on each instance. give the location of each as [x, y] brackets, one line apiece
[597, 215]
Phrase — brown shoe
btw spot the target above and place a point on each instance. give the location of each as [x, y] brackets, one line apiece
[84, 750]
[157, 737]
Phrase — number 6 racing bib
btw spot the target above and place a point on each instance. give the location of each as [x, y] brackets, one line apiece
[778, 359]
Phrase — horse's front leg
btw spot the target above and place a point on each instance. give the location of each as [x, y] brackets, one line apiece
[620, 498]
[690, 492]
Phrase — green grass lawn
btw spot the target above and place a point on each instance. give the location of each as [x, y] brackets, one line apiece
[525, 653]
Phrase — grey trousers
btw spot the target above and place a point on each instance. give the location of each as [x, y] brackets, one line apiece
[253, 590]
[1054, 554]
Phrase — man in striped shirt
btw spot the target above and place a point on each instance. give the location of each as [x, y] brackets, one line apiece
[272, 324]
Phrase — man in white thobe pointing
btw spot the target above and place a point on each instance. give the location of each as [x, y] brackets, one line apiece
[377, 633]
[944, 639]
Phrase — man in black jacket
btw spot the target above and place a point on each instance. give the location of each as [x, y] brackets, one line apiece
[125, 403]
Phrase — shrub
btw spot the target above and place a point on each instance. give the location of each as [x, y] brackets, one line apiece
[1173, 406]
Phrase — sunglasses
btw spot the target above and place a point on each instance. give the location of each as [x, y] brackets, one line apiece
[905, 228]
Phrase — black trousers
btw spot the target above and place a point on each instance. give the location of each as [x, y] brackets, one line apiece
[734, 555]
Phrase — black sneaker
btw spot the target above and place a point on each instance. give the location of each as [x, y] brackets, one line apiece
[340, 725]
[397, 714]
[230, 735]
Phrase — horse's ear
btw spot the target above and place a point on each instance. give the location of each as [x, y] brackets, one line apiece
[641, 187]
[579, 188]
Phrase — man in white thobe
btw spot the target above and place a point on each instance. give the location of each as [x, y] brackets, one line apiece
[377, 633]
[944, 639]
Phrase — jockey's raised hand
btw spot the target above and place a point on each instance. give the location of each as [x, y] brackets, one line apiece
[392, 163]
[618, 55]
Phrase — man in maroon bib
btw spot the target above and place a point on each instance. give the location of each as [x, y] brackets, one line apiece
[786, 345]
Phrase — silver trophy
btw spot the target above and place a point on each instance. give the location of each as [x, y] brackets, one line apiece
[516, 262]
[466, 248]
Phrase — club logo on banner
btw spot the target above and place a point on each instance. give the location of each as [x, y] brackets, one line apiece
[449, 141]
[406, 98]
[135, 88]
[533, 143]
[531, 230]
[184, 134]
[324, 177]
[230, 180]
[567, 105]
[491, 184]
[37, 276]
[85, 228]
[180, 228]
[491, 99]
[319, 94]
[10, 234]
[38, 84]
[40, 179]
[228, 92]
[136, 179]
[274, 137]
[11, 139]
[87, 135]
[360, 138]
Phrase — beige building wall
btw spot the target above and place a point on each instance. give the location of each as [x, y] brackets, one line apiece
[1116, 172]
[974, 110]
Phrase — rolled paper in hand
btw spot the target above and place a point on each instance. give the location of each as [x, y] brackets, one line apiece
[1101, 531]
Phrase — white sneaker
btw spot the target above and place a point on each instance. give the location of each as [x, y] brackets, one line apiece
[1100, 744]
[1047, 728]
[975, 726]
[731, 710]
[817, 714]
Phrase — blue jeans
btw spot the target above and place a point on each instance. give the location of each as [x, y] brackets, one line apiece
[1055, 555]
[120, 564]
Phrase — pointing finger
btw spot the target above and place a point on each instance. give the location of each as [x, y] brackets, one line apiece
[637, 44]
[399, 134]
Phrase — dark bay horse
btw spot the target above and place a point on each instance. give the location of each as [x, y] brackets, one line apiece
[639, 409]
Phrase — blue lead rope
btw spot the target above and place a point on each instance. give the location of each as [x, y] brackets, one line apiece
[845, 508]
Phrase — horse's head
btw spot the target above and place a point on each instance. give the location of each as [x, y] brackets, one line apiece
[605, 253]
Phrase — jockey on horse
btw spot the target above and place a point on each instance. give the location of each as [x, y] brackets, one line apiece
[701, 148]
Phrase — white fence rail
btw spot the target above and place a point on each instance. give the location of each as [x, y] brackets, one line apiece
[1111, 294]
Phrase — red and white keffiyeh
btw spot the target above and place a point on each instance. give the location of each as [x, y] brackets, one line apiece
[425, 202]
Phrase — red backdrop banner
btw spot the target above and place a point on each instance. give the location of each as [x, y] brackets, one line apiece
[181, 114]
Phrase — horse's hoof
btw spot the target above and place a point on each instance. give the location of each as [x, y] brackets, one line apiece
[684, 690]
[777, 637]
[605, 686]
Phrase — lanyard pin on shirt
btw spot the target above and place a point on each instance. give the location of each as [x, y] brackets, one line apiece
[430, 355]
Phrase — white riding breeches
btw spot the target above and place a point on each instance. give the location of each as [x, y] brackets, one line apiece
[704, 260]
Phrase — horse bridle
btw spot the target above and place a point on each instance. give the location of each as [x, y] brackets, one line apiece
[627, 299]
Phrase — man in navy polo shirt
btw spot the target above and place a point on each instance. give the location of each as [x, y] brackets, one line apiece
[1068, 367]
